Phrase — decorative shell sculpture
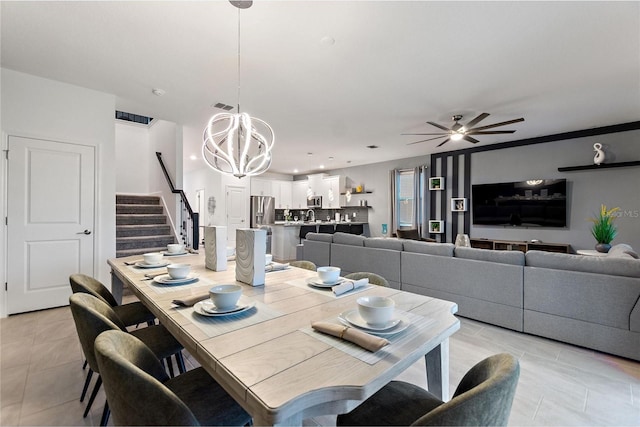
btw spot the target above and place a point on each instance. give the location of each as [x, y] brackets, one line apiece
[599, 157]
[211, 208]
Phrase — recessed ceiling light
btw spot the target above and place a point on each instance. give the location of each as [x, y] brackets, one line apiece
[309, 154]
[321, 166]
[373, 147]
[193, 157]
[330, 158]
[295, 171]
[328, 40]
[158, 92]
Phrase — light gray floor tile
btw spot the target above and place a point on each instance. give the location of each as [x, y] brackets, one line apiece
[66, 414]
[12, 384]
[10, 415]
[52, 387]
[17, 353]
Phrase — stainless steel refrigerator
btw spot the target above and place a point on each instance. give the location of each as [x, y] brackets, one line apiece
[263, 211]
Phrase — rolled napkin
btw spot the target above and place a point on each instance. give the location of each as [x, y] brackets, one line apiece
[190, 301]
[364, 340]
[133, 262]
[349, 285]
[154, 275]
[275, 266]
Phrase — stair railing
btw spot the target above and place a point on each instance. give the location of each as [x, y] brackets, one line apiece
[190, 225]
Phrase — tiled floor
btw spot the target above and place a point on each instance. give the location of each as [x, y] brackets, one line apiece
[560, 385]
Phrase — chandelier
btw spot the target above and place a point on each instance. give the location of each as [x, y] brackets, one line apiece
[237, 144]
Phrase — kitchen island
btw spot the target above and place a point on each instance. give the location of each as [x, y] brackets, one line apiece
[285, 236]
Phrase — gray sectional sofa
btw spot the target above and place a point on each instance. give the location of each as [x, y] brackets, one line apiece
[588, 301]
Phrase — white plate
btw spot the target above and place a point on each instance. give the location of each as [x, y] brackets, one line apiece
[316, 282]
[352, 318]
[165, 279]
[143, 264]
[211, 310]
[167, 253]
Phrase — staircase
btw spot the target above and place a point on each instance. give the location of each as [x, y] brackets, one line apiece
[141, 226]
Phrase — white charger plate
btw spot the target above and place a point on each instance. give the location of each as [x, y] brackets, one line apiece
[316, 282]
[143, 264]
[165, 279]
[206, 308]
[352, 318]
[167, 253]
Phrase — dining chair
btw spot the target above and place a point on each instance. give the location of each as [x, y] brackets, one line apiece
[130, 314]
[307, 265]
[93, 316]
[412, 234]
[483, 398]
[140, 392]
[374, 279]
[326, 228]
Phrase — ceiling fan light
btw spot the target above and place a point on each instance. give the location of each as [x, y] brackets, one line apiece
[457, 136]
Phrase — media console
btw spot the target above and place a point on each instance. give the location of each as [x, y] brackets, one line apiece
[519, 245]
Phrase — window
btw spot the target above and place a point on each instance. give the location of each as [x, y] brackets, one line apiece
[407, 193]
[405, 199]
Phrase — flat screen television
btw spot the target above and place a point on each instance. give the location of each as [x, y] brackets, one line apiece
[533, 203]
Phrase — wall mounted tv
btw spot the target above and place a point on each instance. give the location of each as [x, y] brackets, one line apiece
[533, 203]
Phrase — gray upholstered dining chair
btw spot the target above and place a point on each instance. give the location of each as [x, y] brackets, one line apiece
[93, 316]
[140, 392]
[307, 265]
[483, 398]
[130, 314]
[374, 279]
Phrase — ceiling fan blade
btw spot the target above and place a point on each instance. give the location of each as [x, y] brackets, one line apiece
[508, 122]
[439, 126]
[475, 121]
[425, 140]
[470, 139]
[489, 132]
[442, 133]
[442, 143]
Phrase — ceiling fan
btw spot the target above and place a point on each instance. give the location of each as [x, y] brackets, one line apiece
[459, 131]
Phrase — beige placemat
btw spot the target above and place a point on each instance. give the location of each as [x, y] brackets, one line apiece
[163, 289]
[418, 324]
[218, 325]
[302, 283]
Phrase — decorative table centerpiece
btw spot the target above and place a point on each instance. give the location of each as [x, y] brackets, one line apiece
[603, 229]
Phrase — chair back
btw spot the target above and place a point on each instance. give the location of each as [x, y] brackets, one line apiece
[92, 316]
[411, 234]
[305, 229]
[326, 228]
[374, 279]
[307, 265]
[356, 229]
[87, 284]
[133, 380]
[343, 228]
[483, 397]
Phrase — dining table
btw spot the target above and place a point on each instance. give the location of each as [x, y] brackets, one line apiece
[268, 357]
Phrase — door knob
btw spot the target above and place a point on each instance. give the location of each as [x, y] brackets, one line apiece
[87, 232]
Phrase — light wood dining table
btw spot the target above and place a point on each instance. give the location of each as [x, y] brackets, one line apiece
[271, 361]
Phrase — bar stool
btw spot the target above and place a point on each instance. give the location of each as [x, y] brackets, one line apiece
[304, 230]
[356, 229]
[343, 228]
[326, 228]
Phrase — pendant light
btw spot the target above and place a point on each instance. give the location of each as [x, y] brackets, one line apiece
[238, 144]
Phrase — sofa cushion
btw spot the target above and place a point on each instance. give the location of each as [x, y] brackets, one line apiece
[614, 266]
[348, 239]
[393, 244]
[440, 249]
[320, 237]
[622, 250]
[503, 257]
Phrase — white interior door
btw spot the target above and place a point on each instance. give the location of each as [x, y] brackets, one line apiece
[236, 211]
[50, 205]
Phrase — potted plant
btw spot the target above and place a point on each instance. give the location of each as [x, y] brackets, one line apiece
[603, 229]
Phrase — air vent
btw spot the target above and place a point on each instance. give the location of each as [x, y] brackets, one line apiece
[373, 147]
[223, 106]
[130, 117]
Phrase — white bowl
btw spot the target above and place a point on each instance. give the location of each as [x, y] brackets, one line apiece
[268, 259]
[175, 248]
[152, 258]
[328, 274]
[225, 297]
[178, 271]
[376, 311]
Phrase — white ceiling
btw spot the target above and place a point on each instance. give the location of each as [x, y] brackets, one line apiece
[563, 66]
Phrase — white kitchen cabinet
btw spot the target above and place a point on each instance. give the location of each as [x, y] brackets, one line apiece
[331, 192]
[282, 194]
[261, 187]
[299, 194]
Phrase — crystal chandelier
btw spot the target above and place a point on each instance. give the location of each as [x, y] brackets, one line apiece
[237, 144]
